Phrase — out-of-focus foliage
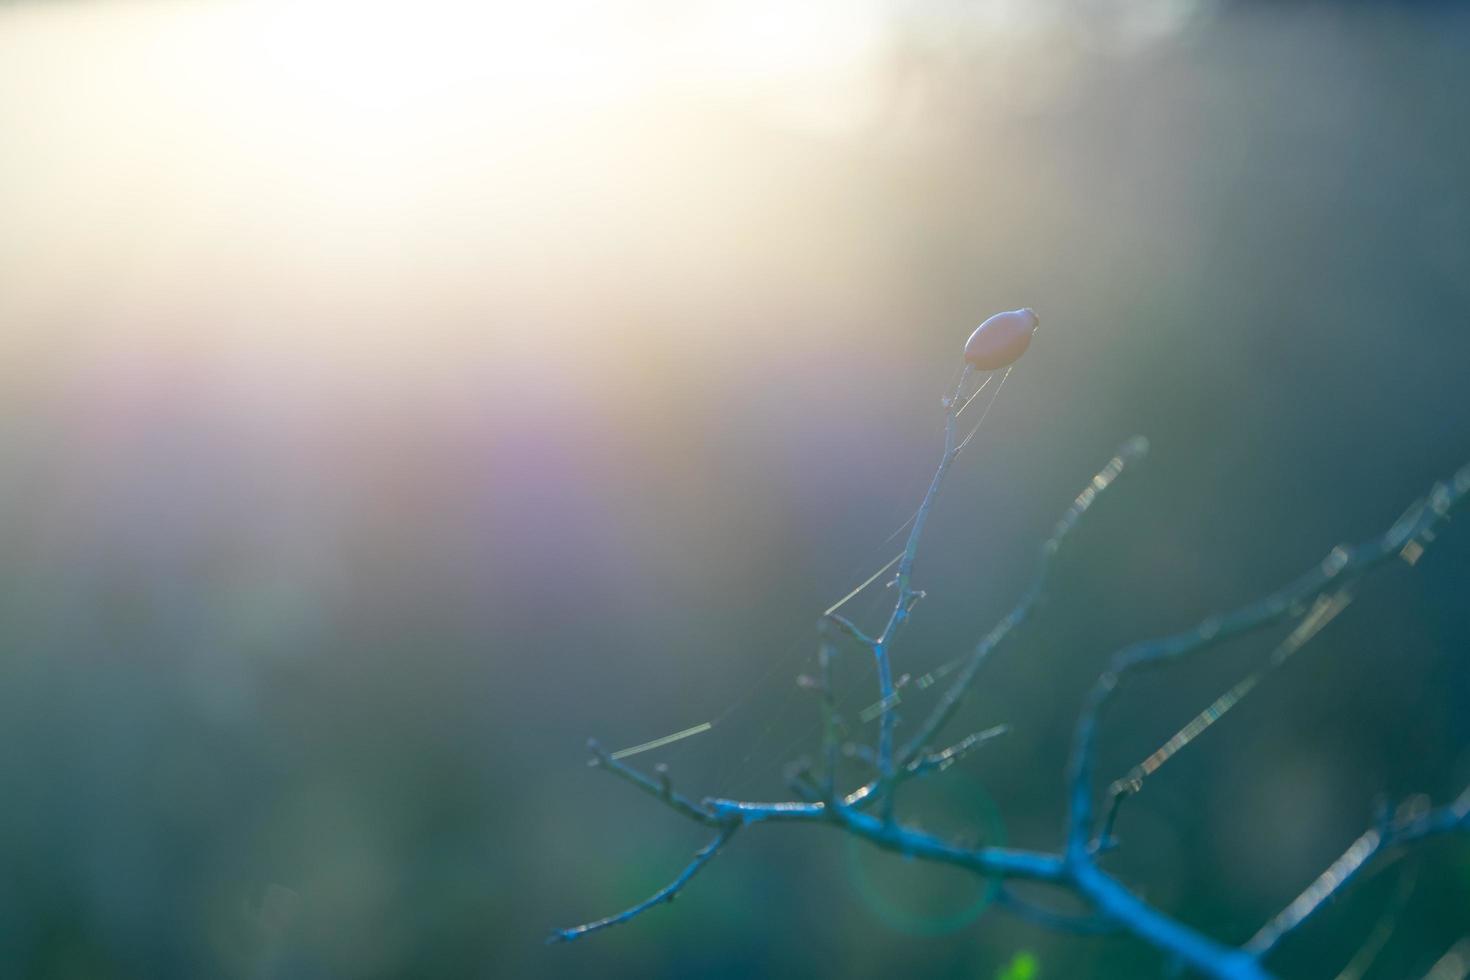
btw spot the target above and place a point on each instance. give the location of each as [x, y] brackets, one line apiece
[389, 400]
[1023, 966]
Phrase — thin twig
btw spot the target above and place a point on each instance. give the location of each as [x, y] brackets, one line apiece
[905, 598]
[1340, 568]
[665, 894]
[830, 722]
[1323, 611]
[943, 759]
[1129, 453]
[1446, 819]
[659, 789]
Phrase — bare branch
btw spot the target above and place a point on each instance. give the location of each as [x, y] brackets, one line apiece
[1341, 567]
[662, 789]
[666, 894]
[851, 629]
[798, 778]
[1454, 964]
[991, 861]
[1323, 611]
[1383, 929]
[1112, 901]
[1074, 867]
[1195, 950]
[1408, 829]
[905, 598]
[830, 721]
[1130, 452]
[947, 757]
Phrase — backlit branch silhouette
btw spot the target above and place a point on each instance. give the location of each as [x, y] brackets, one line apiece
[867, 811]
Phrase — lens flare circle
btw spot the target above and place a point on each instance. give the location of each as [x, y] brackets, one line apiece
[960, 794]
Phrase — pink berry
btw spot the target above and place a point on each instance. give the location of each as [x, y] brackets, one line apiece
[1000, 340]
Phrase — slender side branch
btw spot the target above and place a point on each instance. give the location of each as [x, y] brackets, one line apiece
[798, 778]
[661, 789]
[945, 758]
[1446, 819]
[666, 894]
[1130, 452]
[906, 598]
[1411, 533]
[1323, 611]
[851, 629]
[906, 592]
[825, 652]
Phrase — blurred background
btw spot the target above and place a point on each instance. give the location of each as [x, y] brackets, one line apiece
[392, 396]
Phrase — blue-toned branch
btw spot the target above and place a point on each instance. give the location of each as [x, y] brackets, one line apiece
[1346, 869]
[665, 894]
[1130, 452]
[661, 789]
[1074, 866]
[1342, 566]
[904, 601]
